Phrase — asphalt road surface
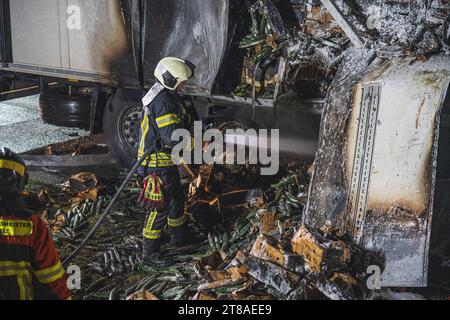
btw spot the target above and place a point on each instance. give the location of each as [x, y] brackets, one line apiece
[22, 130]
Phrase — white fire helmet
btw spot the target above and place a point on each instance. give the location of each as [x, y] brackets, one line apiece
[171, 72]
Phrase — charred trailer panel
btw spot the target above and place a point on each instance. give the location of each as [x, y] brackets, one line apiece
[392, 164]
[387, 196]
[75, 39]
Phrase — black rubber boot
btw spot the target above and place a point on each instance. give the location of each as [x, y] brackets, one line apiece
[156, 259]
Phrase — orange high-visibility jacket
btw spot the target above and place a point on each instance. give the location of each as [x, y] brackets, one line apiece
[29, 264]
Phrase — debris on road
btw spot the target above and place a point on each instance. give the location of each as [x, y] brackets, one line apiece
[260, 251]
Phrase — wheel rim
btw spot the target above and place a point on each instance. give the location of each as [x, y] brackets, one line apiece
[129, 128]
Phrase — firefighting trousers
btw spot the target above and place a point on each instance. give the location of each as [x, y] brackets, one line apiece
[171, 214]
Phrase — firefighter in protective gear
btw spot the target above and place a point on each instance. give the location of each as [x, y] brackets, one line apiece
[164, 113]
[29, 265]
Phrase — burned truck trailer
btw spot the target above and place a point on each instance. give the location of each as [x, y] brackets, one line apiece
[92, 62]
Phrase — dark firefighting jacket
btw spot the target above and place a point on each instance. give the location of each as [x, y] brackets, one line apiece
[165, 114]
[30, 268]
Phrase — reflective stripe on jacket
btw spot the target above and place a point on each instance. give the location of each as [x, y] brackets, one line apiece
[162, 117]
[29, 264]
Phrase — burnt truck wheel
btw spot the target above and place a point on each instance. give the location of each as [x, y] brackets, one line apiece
[121, 125]
[66, 108]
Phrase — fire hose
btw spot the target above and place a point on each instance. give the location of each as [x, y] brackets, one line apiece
[102, 218]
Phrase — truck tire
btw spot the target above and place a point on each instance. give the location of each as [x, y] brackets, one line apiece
[62, 108]
[121, 126]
